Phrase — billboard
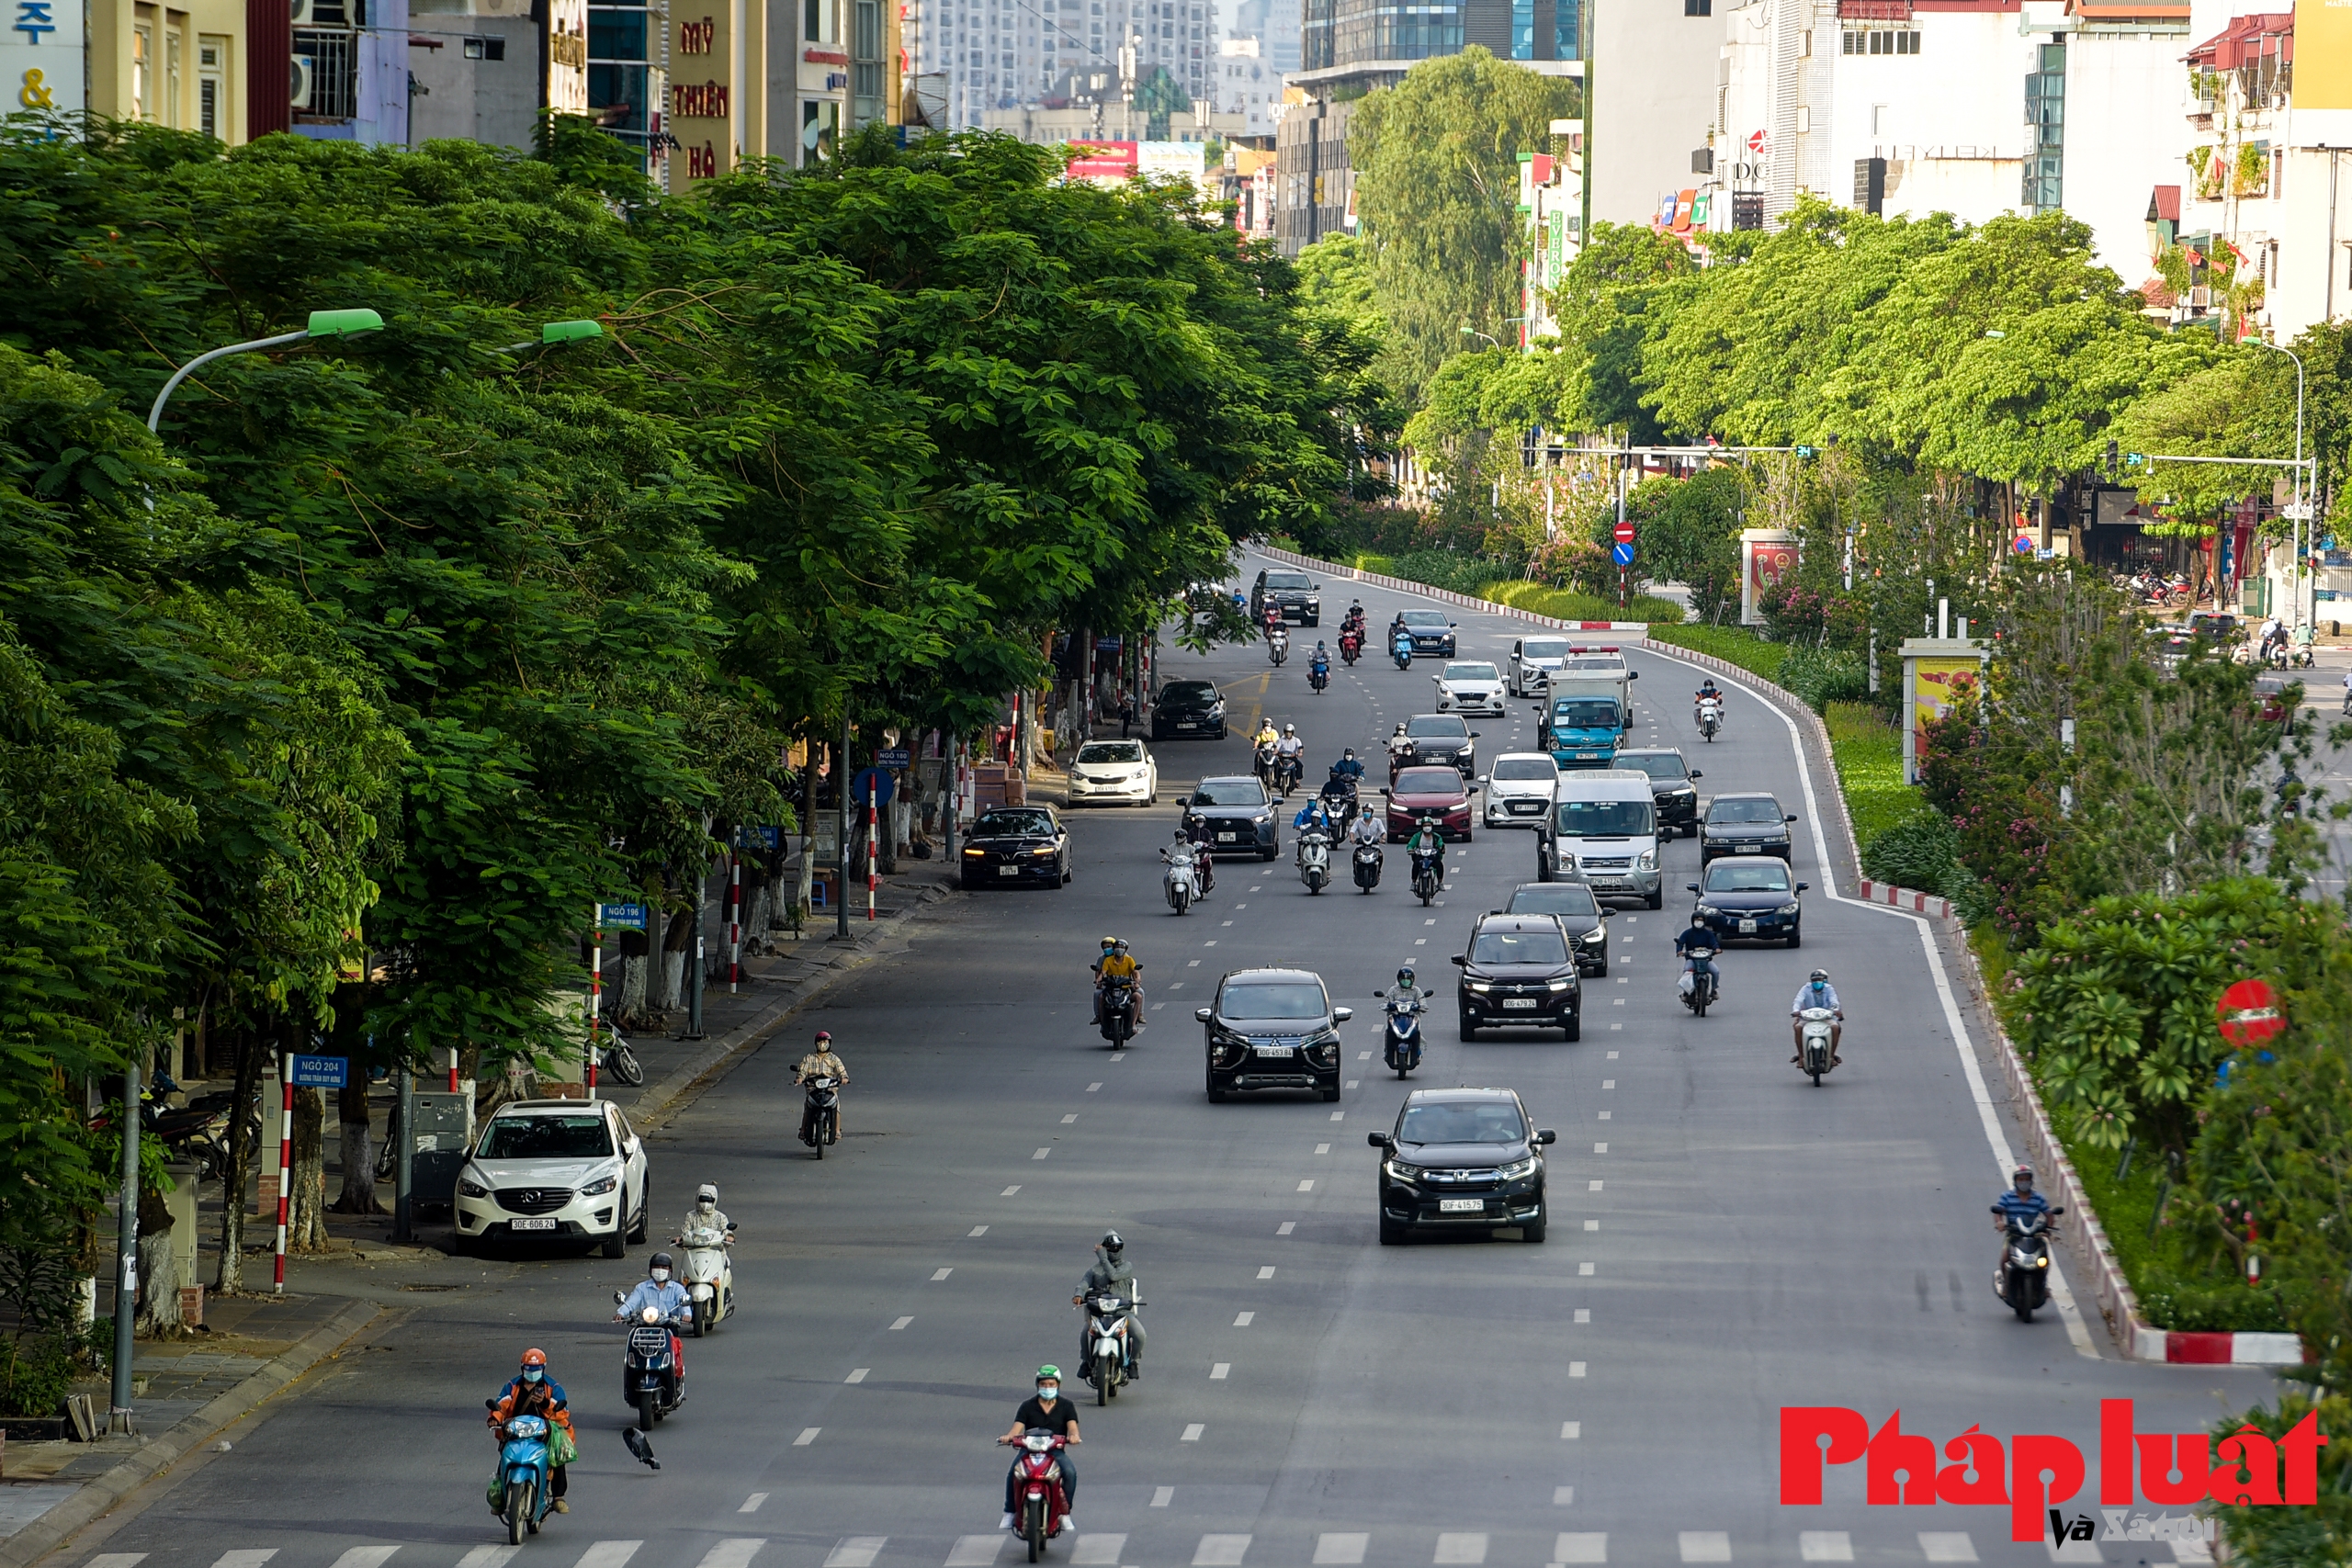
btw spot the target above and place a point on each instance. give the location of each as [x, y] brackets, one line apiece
[2323, 59]
[41, 57]
[1932, 685]
[1766, 556]
[1113, 161]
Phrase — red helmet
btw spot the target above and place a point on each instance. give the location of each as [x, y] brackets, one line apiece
[535, 1357]
[823, 1035]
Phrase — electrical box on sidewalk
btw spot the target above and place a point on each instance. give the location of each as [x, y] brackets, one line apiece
[442, 1132]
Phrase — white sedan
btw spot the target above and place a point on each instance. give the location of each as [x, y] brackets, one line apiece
[1519, 790]
[1112, 771]
[1468, 686]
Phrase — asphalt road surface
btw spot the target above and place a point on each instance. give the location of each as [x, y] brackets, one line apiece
[1727, 1240]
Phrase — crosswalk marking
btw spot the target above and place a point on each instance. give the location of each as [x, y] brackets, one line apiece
[856, 1551]
[1097, 1549]
[1220, 1552]
[1704, 1546]
[976, 1550]
[366, 1556]
[480, 1557]
[1339, 1550]
[1825, 1546]
[245, 1559]
[116, 1560]
[1946, 1546]
[1581, 1546]
[1462, 1545]
[736, 1552]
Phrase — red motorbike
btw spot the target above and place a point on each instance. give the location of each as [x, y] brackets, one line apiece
[1037, 1489]
[1350, 645]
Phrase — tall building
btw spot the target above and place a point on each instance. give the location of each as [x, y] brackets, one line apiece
[1248, 85]
[1008, 55]
[480, 70]
[1654, 66]
[1274, 24]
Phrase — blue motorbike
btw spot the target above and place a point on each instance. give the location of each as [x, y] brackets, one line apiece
[1402, 650]
[1400, 1043]
[523, 1466]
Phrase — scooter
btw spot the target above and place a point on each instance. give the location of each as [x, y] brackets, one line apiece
[1369, 861]
[1813, 1049]
[1119, 1010]
[1037, 1488]
[1428, 873]
[1314, 861]
[1697, 984]
[1107, 1337]
[615, 1060]
[1401, 650]
[1351, 646]
[520, 1494]
[650, 1369]
[1286, 774]
[1278, 645]
[823, 1113]
[1400, 1043]
[2025, 1265]
[1265, 764]
[1181, 883]
[1710, 719]
[1319, 676]
[709, 1273]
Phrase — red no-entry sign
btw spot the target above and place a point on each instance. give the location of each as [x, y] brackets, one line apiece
[1625, 535]
[2249, 1013]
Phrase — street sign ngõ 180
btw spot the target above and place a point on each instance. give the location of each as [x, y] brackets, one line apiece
[2249, 1013]
[1624, 534]
[319, 1072]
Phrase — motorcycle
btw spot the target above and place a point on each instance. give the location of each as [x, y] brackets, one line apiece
[1351, 646]
[650, 1369]
[1369, 861]
[1711, 717]
[1107, 1337]
[1119, 1010]
[617, 1061]
[1401, 650]
[1400, 1043]
[1278, 645]
[709, 1274]
[1286, 774]
[1813, 1052]
[1181, 883]
[1037, 1488]
[823, 1096]
[1428, 873]
[1699, 983]
[1314, 860]
[1265, 764]
[1319, 675]
[523, 1469]
[2024, 1264]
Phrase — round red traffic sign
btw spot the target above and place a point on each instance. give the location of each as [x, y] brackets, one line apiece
[2249, 1013]
[1625, 535]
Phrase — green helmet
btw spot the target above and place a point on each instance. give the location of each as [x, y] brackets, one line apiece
[1049, 1370]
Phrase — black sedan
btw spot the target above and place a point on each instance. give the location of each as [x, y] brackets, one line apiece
[1239, 813]
[1011, 845]
[1572, 904]
[1747, 824]
[1273, 1029]
[1670, 788]
[1518, 974]
[1188, 707]
[1460, 1159]
[1432, 634]
[1752, 897]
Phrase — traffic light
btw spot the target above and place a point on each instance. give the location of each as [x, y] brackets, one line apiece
[2111, 450]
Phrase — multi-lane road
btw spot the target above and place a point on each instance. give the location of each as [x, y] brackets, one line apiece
[1727, 1240]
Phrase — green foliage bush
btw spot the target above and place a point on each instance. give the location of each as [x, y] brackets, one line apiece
[1566, 604]
[1821, 676]
[1921, 851]
[1733, 645]
[2168, 1302]
[36, 1373]
[1452, 569]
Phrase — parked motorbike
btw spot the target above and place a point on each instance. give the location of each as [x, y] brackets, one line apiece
[1369, 861]
[1428, 873]
[1119, 1010]
[615, 1060]
[1107, 1329]
[1181, 883]
[649, 1368]
[1400, 1043]
[823, 1105]
[709, 1273]
[1278, 645]
[2025, 1265]
[1315, 860]
[1037, 1488]
[1698, 982]
[1711, 717]
[523, 1471]
[1401, 650]
[1813, 1051]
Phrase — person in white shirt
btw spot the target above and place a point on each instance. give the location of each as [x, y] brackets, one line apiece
[1816, 992]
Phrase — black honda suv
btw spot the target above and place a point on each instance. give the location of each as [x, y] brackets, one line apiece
[1273, 1029]
[1519, 973]
[1462, 1158]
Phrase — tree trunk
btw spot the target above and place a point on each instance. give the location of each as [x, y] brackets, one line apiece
[159, 1294]
[358, 1194]
[230, 1280]
[631, 1010]
[306, 1218]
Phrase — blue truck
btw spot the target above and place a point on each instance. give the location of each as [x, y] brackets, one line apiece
[1583, 729]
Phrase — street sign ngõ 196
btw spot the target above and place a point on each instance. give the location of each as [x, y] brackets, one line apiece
[1624, 534]
[319, 1072]
[893, 757]
[2249, 1013]
[630, 917]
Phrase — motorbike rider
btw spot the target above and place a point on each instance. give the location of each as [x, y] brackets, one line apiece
[819, 1063]
[532, 1393]
[1348, 767]
[707, 1214]
[1400, 745]
[1319, 662]
[1353, 620]
[1409, 991]
[1117, 961]
[1204, 841]
[1428, 838]
[1186, 846]
[1290, 747]
[1696, 938]
[1707, 691]
[1367, 828]
[671, 1307]
[2023, 1202]
[1315, 815]
[1110, 1271]
[1816, 992]
[1049, 1410]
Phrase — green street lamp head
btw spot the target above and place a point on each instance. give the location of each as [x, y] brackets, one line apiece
[344, 323]
[569, 332]
[1995, 332]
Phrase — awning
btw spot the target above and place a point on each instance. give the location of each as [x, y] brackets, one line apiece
[2164, 205]
[2246, 40]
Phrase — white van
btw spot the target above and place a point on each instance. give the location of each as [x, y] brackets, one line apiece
[1603, 824]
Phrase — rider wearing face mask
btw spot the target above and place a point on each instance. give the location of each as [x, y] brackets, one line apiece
[671, 1303]
[1110, 1271]
[1817, 992]
[533, 1393]
[1050, 1411]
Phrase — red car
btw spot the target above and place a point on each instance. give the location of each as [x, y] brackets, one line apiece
[1439, 792]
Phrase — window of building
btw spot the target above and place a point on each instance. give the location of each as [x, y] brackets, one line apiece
[1698, 7]
[485, 49]
[1880, 40]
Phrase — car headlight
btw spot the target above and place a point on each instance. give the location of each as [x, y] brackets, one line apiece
[597, 1189]
[1481, 986]
[1042, 850]
[471, 1187]
[1708, 909]
[1558, 986]
[1649, 860]
[1786, 909]
[1595, 938]
[1401, 1171]
[1518, 1170]
[1261, 819]
[976, 851]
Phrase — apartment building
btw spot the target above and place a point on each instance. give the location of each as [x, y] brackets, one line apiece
[994, 59]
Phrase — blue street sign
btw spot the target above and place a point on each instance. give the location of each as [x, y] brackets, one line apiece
[320, 1072]
[1622, 554]
[863, 787]
[631, 916]
[893, 757]
[766, 837]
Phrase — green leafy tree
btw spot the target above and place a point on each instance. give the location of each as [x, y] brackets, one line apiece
[1602, 305]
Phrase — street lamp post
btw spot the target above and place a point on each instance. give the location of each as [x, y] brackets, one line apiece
[2301, 535]
[1473, 332]
[324, 324]
[555, 333]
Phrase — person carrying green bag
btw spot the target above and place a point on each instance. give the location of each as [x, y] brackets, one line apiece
[533, 1393]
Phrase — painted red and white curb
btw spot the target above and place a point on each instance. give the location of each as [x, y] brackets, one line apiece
[1910, 898]
[2216, 1349]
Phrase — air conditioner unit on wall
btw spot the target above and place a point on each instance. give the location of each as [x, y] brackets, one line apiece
[300, 84]
[301, 13]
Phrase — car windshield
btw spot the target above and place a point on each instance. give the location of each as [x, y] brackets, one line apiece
[1658, 766]
[546, 1137]
[1288, 580]
[1525, 768]
[1744, 811]
[1597, 666]
[1012, 825]
[1436, 727]
[1585, 712]
[1270, 998]
[1741, 876]
[1553, 898]
[1471, 672]
[1519, 947]
[1428, 780]
[1479, 1122]
[1188, 692]
[1229, 792]
[1603, 819]
[1543, 647]
[1424, 618]
[1111, 751]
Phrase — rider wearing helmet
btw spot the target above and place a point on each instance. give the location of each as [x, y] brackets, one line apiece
[819, 1063]
[667, 1299]
[1367, 828]
[1053, 1414]
[1408, 987]
[1428, 835]
[1110, 1271]
[1116, 960]
[1707, 691]
[2024, 1203]
[1816, 992]
[533, 1393]
[1203, 837]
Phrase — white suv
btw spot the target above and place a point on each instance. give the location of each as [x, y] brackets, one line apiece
[556, 1167]
[1533, 660]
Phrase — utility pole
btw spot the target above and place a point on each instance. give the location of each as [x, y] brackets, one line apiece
[841, 846]
[693, 981]
[126, 1285]
[1584, 53]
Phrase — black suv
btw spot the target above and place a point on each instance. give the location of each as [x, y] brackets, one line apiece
[1519, 973]
[1440, 738]
[1273, 1029]
[1750, 823]
[1188, 707]
[1670, 788]
[1239, 813]
[1299, 595]
[1570, 902]
[1462, 1158]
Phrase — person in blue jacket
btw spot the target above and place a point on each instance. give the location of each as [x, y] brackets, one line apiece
[2020, 1201]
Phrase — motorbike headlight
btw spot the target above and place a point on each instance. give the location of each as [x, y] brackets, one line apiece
[598, 1187]
[1400, 1171]
[1519, 1170]
[1786, 909]
[2042, 1262]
